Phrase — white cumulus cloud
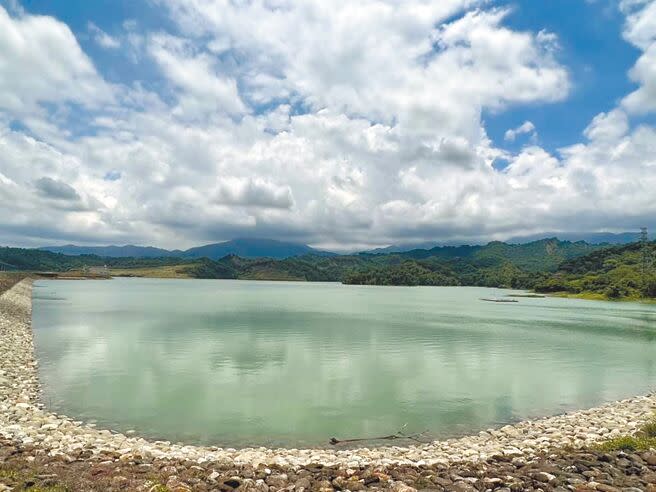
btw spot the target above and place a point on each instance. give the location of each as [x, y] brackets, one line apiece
[526, 128]
[102, 38]
[340, 123]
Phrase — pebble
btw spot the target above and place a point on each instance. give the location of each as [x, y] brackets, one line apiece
[23, 420]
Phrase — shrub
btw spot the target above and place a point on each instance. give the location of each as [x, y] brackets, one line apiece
[628, 443]
[649, 288]
[649, 429]
[643, 440]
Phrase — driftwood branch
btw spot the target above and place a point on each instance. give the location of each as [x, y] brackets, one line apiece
[399, 435]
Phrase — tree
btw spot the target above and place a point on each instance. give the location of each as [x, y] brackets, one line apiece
[649, 287]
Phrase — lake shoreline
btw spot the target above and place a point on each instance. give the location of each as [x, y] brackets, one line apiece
[593, 296]
[24, 421]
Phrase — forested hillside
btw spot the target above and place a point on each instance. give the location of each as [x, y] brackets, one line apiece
[40, 260]
[244, 247]
[614, 273]
[547, 265]
[536, 256]
[496, 264]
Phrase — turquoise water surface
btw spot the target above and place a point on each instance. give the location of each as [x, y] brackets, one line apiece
[236, 363]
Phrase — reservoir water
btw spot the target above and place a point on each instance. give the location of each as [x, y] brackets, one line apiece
[237, 363]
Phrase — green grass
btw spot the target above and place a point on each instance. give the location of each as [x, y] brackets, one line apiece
[8, 474]
[590, 296]
[644, 439]
[649, 429]
[596, 296]
[159, 488]
[167, 271]
[628, 443]
[19, 477]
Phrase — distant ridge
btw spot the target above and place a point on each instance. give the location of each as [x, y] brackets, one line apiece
[588, 237]
[495, 264]
[551, 251]
[402, 248]
[243, 247]
[271, 248]
[127, 251]
[253, 248]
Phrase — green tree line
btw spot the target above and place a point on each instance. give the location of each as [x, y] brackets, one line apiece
[549, 266]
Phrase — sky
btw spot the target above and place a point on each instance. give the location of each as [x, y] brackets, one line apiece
[338, 124]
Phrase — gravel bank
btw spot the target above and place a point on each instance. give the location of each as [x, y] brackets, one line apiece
[25, 467]
[25, 424]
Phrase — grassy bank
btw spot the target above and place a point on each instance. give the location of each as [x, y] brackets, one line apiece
[169, 271]
[598, 296]
[9, 279]
[643, 440]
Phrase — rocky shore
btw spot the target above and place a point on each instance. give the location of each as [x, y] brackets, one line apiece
[525, 456]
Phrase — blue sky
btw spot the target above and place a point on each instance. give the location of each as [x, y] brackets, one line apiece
[590, 34]
[181, 122]
[593, 51]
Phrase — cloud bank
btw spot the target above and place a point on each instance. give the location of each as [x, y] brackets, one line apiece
[342, 125]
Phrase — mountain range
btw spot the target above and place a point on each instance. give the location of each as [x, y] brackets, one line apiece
[596, 271]
[588, 237]
[495, 263]
[243, 247]
[270, 248]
